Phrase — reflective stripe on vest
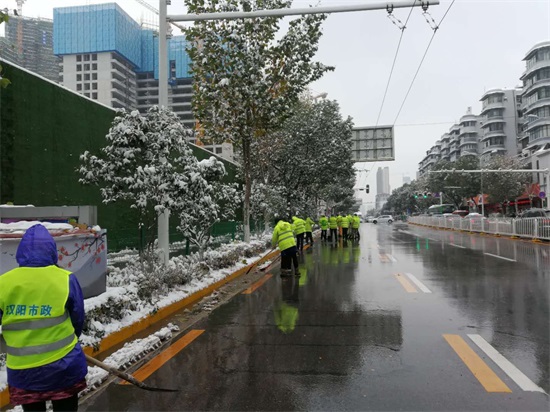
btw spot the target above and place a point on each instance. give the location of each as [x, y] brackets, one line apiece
[40, 349]
[37, 324]
[288, 234]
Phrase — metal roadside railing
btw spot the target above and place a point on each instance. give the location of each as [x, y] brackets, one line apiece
[537, 228]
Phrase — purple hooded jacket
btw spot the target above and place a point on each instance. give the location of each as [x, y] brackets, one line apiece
[37, 249]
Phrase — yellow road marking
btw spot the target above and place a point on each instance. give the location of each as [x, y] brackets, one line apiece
[154, 364]
[384, 258]
[257, 284]
[484, 374]
[405, 283]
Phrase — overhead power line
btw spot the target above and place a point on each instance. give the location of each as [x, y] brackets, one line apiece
[435, 29]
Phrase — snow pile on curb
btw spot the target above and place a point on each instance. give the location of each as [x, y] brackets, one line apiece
[128, 355]
[142, 288]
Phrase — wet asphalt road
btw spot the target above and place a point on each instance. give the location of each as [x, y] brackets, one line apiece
[348, 335]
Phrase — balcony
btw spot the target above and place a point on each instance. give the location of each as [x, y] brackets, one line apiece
[468, 141]
[494, 105]
[492, 120]
[541, 121]
[494, 148]
[495, 133]
[467, 129]
[537, 66]
[536, 85]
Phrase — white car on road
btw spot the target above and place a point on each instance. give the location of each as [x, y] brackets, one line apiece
[383, 219]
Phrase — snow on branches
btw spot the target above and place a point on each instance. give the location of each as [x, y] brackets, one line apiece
[245, 80]
[148, 162]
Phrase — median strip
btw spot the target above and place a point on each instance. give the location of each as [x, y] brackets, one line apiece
[418, 283]
[508, 367]
[482, 372]
[405, 283]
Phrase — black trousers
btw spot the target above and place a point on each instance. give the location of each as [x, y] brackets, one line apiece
[324, 234]
[65, 405]
[333, 234]
[300, 242]
[345, 233]
[309, 237]
[288, 257]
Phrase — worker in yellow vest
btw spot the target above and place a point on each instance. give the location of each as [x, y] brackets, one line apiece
[299, 226]
[356, 223]
[42, 315]
[309, 230]
[283, 236]
[345, 227]
[323, 222]
[333, 226]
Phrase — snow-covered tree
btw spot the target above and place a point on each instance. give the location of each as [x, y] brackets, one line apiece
[204, 201]
[245, 79]
[140, 162]
[456, 186]
[505, 186]
[311, 157]
[148, 162]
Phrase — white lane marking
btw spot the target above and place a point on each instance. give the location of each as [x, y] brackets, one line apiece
[418, 283]
[508, 367]
[391, 257]
[461, 247]
[501, 257]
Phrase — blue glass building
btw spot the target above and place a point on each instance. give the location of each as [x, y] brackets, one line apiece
[109, 57]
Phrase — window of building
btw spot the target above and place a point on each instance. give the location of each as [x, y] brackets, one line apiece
[87, 94]
[94, 56]
[94, 86]
[86, 86]
[86, 57]
[94, 96]
[78, 87]
[218, 150]
[78, 67]
[86, 67]
[94, 66]
[94, 76]
[78, 57]
[78, 77]
[87, 77]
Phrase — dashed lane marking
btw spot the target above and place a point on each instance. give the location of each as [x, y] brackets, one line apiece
[256, 285]
[508, 367]
[501, 257]
[461, 247]
[418, 283]
[483, 373]
[154, 364]
[405, 283]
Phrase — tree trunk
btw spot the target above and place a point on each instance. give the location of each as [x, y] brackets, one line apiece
[247, 189]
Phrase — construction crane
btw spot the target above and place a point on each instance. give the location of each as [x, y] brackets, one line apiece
[150, 8]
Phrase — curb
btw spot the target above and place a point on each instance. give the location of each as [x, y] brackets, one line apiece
[127, 332]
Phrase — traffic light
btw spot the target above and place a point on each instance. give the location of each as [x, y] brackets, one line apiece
[425, 195]
[415, 195]
[368, 189]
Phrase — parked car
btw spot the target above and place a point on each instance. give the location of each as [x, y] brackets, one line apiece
[369, 219]
[526, 222]
[535, 212]
[460, 213]
[383, 219]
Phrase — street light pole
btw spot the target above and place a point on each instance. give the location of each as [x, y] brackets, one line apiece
[163, 227]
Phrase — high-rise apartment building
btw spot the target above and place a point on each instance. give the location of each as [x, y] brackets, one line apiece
[500, 123]
[110, 58]
[28, 42]
[535, 139]
[382, 186]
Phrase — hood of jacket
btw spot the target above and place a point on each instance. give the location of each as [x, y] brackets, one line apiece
[37, 248]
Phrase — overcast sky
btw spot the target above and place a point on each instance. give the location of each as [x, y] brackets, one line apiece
[480, 45]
